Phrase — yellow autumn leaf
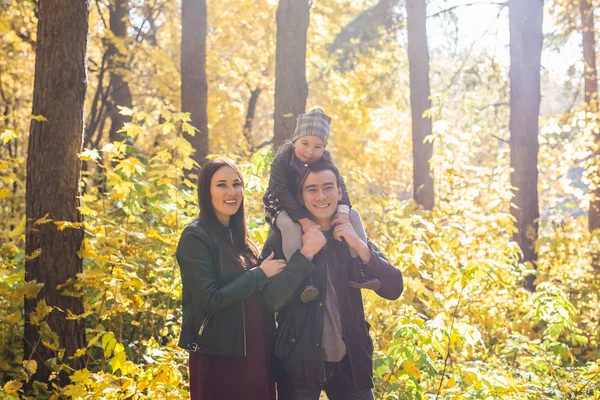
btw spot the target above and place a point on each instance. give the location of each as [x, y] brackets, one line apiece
[30, 366]
[115, 149]
[80, 352]
[118, 361]
[8, 135]
[182, 116]
[125, 111]
[130, 129]
[129, 166]
[80, 376]
[88, 198]
[41, 311]
[412, 369]
[4, 193]
[86, 251]
[451, 382]
[189, 129]
[62, 225]
[167, 128]
[31, 289]
[12, 387]
[12, 318]
[88, 212]
[43, 220]
[89, 155]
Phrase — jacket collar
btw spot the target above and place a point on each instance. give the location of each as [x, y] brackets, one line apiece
[297, 165]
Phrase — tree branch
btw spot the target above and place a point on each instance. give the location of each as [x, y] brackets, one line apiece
[100, 13]
[447, 10]
[365, 25]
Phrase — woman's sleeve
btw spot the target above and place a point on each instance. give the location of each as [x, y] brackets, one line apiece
[283, 287]
[199, 275]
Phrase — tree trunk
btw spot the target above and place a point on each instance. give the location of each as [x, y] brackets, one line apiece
[591, 101]
[120, 93]
[526, 37]
[291, 89]
[254, 95]
[53, 176]
[418, 63]
[194, 86]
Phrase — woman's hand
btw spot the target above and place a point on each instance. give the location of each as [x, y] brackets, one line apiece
[272, 267]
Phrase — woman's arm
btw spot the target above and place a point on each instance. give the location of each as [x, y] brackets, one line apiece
[199, 274]
[281, 288]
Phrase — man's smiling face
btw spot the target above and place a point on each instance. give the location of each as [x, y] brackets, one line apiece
[321, 194]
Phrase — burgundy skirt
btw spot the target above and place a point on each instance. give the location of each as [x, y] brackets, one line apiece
[232, 378]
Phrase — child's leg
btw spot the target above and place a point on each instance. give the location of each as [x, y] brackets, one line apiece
[291, 234]
[361, 281]
[356, 221]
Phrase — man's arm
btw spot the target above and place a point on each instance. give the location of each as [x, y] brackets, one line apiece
[392, 283]
[374, 263]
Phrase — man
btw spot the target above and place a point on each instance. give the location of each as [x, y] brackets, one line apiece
[325, 344]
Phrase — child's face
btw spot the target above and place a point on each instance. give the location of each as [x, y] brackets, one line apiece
[309, 148]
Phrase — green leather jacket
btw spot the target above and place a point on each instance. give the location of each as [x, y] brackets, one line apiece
[213, 311]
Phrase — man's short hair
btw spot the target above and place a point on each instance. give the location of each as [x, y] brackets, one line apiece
[323, 165]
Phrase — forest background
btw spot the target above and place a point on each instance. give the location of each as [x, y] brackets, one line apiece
[433, 103]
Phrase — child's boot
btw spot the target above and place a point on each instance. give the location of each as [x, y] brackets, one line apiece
[362, 281]
[309, 293]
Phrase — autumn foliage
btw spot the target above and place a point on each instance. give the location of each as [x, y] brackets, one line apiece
[465, 327]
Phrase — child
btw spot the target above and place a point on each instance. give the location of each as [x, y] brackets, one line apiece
[282, 208]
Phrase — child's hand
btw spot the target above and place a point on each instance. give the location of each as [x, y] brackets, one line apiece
[340, 216]
[345, 230]
[306, 224]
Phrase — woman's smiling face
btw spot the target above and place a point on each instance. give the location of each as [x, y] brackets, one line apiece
[227, 193]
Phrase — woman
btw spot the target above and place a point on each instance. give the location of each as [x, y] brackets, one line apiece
[226, 326]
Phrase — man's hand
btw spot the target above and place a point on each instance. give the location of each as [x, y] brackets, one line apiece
[345, 230]
[306, 224]
[312, 242]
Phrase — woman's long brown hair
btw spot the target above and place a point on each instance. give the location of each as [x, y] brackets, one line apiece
[242, 253]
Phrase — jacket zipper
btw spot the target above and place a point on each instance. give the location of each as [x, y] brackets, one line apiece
[204, 323]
